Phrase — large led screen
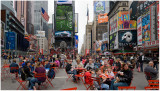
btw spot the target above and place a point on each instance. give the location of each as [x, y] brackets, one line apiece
[64, 16]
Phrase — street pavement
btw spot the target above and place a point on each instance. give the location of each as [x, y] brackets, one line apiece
[60, 82]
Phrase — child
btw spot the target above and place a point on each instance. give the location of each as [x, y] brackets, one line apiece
[109, 73]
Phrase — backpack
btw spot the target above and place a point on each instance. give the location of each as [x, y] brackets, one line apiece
[23, 74]
[51, 74]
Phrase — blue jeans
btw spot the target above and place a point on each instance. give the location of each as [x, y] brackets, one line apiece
[29, 79]
[141, 66]
[114, 86]
[105, 86]
[33, 81]
[137, 64]
[74, 72]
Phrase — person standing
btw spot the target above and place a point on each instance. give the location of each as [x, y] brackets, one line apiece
[155, 61]
[141, 59]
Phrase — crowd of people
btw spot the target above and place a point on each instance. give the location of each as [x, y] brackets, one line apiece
[112, 71]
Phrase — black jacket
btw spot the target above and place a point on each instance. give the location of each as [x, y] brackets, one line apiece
[127, 77]
[118, 65]
[140, 59]
[68, 67]
[25, 72]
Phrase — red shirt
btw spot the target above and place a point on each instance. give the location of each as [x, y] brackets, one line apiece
[88, 79]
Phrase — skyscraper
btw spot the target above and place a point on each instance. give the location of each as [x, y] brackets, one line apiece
[37, 16]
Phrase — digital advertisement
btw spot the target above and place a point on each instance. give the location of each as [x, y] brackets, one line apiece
[64, 17]
[139, 31]
[62, 34]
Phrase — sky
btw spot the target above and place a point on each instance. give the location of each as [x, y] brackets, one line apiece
[81, 9]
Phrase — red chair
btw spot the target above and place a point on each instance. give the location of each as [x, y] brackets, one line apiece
[37, 75]
[152, 88]
[15, 73]
[50, 80]
[5, 71]
[74, 88]
[126, 87]
[69, 76]
[153, 82]
[81, 75]
[20, 63]
[148, 75]
[21, 84]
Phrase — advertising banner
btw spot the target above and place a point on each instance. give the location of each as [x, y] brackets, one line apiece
[41, 51]
[139, 31]
[127, 38]
[102, 18]
[99, 7]
[98, 45]
[64, 17]
[113, 24]
[62, 34]
[114, 41]
[123, 20]
[146, 28]
[10, 40]
[87, 51]
[76, 41]
[41, 33]
[76, 23]
[2, 33]
[132, 24]
[105, 36]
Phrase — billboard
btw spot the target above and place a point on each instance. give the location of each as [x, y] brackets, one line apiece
[146, 28]
[114, 41]
[64, 17]
[2, 33]
[127, 38]
[123, 20]
[102, 18]
[105, 36]
[139, 31]
[113, 24]
[41, 33]
[62, 34]
[99, 6]
[132, 24]
[76, 41]
[98, 45]
[10, 40]
[76, 22]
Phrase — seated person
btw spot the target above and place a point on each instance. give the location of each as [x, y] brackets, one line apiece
[105, 66]
[109, 72]
[118, 65]
[97, 64]
[47, 64]
[51, 73]
[70, 70]
[14, 64]
[90, 64]
[79, 64]
[57, 62]
[123, 78]
[153, 72]
[39, 80]
[104, 86]
[88, 76]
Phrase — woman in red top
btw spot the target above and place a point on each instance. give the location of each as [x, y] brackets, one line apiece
[88, 76]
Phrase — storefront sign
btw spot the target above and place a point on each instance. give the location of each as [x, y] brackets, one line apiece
[103, 18]
[152, 43]
[139, 31]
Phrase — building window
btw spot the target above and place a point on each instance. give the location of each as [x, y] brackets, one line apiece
[124, 4]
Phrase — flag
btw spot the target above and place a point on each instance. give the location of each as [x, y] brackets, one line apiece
[87, 12]
[45, 15]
